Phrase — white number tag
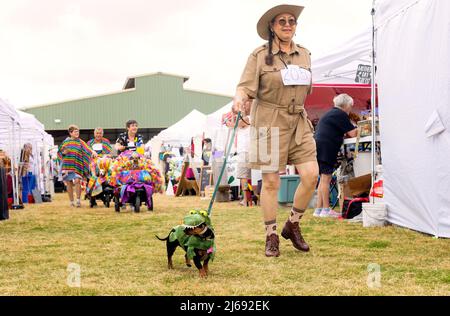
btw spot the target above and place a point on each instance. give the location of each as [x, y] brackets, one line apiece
[130, 144]
[296, 76]
[97, 147]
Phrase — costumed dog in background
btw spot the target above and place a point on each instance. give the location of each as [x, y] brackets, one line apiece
[196, 237]
[98, 186]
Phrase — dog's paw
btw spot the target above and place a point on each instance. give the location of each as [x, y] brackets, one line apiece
[202, 273]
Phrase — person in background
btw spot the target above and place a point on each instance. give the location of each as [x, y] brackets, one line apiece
[74, 155]
[148, 151]
[99, 144]
[181, 149]
[244, 173]
[26, 157]
[26, 165]
[5, 161]
[130, 140]
[330, 133]
[166, 159]
[206, 152]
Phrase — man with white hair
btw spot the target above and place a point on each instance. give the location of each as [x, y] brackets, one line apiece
[329, 136]
[99, 144]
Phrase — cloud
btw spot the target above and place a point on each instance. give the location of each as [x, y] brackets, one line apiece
[54, 49]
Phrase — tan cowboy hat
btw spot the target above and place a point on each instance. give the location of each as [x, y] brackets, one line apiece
[263, 24]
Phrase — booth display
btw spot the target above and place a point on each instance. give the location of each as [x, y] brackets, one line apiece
[19, 130]
[4, 209]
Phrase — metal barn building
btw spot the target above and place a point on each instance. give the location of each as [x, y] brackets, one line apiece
[155, 100]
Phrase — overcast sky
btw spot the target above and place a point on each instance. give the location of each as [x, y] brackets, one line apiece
[54, 50]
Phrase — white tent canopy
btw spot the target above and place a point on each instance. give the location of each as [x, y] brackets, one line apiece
[340, 66]
[7, 113]
[23, 128]
[413, 49]
[9, 119]
[181, 132]
[19, 128]
[30, 128]
[214, 120]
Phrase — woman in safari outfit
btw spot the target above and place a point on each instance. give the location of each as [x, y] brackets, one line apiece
[278, 77]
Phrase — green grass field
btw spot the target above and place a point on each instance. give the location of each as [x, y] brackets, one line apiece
[119, 255]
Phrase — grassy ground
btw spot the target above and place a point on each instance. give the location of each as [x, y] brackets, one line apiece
[119, 255]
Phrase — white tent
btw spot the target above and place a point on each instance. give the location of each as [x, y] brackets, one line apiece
[32, 131]
[214, 120]
[182, 131]
[9, 120]
[24, 126]
[413, 49]
[19, 128]
[7, 113]
[340, 65]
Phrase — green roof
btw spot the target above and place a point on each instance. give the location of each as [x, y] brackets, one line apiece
[155, 100]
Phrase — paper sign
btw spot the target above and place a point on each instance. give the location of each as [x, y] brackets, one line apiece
[97, 147]
[296, 76]
[363, 74]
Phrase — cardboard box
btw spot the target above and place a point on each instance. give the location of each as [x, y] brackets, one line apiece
[357, 186]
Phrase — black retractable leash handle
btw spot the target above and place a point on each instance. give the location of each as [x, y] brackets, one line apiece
[227, 152]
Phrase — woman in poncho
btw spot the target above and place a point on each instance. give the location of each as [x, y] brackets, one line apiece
[74, 155]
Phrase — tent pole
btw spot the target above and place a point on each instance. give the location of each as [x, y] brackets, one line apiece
[13, 168]
[15, 175]
[38, 166]
[373, 98]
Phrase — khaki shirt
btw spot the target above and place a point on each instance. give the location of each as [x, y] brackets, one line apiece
[277, 106]
[263, 82]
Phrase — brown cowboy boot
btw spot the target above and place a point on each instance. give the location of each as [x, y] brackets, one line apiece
[272, 246]
[292, 231]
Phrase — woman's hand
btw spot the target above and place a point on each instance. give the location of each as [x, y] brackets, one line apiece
[247, 107]
[238, 104]
[242, 105]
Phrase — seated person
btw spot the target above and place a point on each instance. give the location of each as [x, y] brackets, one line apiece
[99, 144]
[130, 140]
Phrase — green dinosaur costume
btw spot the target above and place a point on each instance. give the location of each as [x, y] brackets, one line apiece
[191, 242]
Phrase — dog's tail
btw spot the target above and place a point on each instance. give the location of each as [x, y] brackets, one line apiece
[164, 239]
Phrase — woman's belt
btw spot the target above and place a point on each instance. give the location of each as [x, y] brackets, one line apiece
[290, 108]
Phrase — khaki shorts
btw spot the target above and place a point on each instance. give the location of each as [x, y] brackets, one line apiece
[278, 138]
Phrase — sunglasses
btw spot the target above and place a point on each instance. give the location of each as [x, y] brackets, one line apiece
[283, 22]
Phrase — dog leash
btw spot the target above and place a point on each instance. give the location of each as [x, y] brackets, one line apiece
[227, 152]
